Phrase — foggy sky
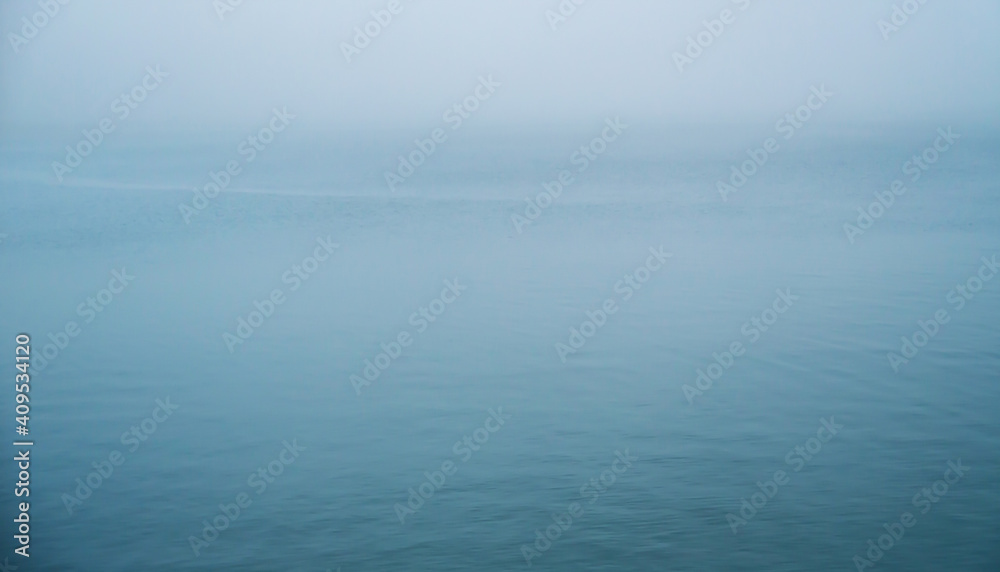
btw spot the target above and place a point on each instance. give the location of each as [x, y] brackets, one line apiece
[609, 58]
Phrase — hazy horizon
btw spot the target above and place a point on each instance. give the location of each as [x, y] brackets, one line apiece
[604, 60]
[443, 285]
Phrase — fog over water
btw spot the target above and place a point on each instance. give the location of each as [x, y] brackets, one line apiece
[501, 285]
[606, 58]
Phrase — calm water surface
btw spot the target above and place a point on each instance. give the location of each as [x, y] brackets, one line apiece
[492, 352]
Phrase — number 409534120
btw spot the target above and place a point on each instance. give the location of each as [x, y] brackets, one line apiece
[22, 357]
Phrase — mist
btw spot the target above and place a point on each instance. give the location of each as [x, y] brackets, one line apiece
[228, 67]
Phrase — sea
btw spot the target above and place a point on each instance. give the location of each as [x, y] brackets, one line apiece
[522, 350]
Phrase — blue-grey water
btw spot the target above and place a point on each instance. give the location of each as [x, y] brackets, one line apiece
[492, 353]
